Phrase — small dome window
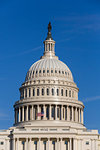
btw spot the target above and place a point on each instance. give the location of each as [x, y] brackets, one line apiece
[40, 71]
[55, 71]
[36, 71]
[37, 92]
[52, 91]
[59, 71]
[69, 93]
[42, 91]
[65, 73]
[62, 72]
[47, 91]
[57, 92]
[43, 71]
[61, 92]
[66, 93]
[33, 92]
[33, 72]
[47, 71]
[25, 92]
[51, 71]
[29, 92]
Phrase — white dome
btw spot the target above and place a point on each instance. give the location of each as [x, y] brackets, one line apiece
[49, 67]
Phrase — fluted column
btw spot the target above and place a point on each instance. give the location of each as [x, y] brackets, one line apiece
[44, 108]
[82, 116]
[23, 113]
[61, 112]
[39, 147]
[72, 114]
[14, 144]
[68, 114]
[61, 144]
[27, 148]
[76, 115]
[58, 144]
[38, 118]
[32, 112]
[27, 114]
[19, 115]
[79, 115]
[70, 144]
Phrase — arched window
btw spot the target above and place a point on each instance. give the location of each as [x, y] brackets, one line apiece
[62, 72]
[36, 71]
[55, 71]
[33, 92]
[37, 92]
[52, 91]
[53, 112]
[69, 93]
[29, 92]
[25, 92]
[42, 91]
[43, 71]
[47, 91]
[51, 71]
[40, 71]
[61, 92]
[66, 93]
[47, 71]
[57, 92]
[72, 93]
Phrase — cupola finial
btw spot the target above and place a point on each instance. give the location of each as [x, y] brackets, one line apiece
[49, 36]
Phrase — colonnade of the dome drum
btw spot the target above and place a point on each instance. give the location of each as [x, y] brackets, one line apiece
[49, 112]
[44, 144]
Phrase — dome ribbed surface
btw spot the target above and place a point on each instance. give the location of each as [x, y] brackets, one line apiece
[49, 66]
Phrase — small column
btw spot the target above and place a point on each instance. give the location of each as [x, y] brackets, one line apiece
[14, 144]
[68, 145]
[23, 113]
[76, 115]
[27, 114]
[68, 114]
[72, 114]
[44, 108]
[82, 116]
[32, 112]
[79, 115]
[61, 112]
[50, 112]
[19, 115]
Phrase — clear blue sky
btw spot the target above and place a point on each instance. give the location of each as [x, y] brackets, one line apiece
[76, 30]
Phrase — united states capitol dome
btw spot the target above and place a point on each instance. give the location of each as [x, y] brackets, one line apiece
[49, 65]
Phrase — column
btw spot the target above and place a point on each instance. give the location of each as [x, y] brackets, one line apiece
[23, 113]
[76, 116]
[55, 112]
[70, 144]
[39, 144]
[27, 114]
[32, 112]
[68, 114]
[27, 144]
[57, 144]
[79, 115]
[50, 112]
[44, 108]
[72, 114]
[30, 144]
[61, 112]
[82, 116]
[61, 144]
[19, 114]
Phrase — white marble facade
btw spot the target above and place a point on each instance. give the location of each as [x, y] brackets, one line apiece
[49, 115]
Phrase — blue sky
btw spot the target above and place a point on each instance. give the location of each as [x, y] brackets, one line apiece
[76, 30]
